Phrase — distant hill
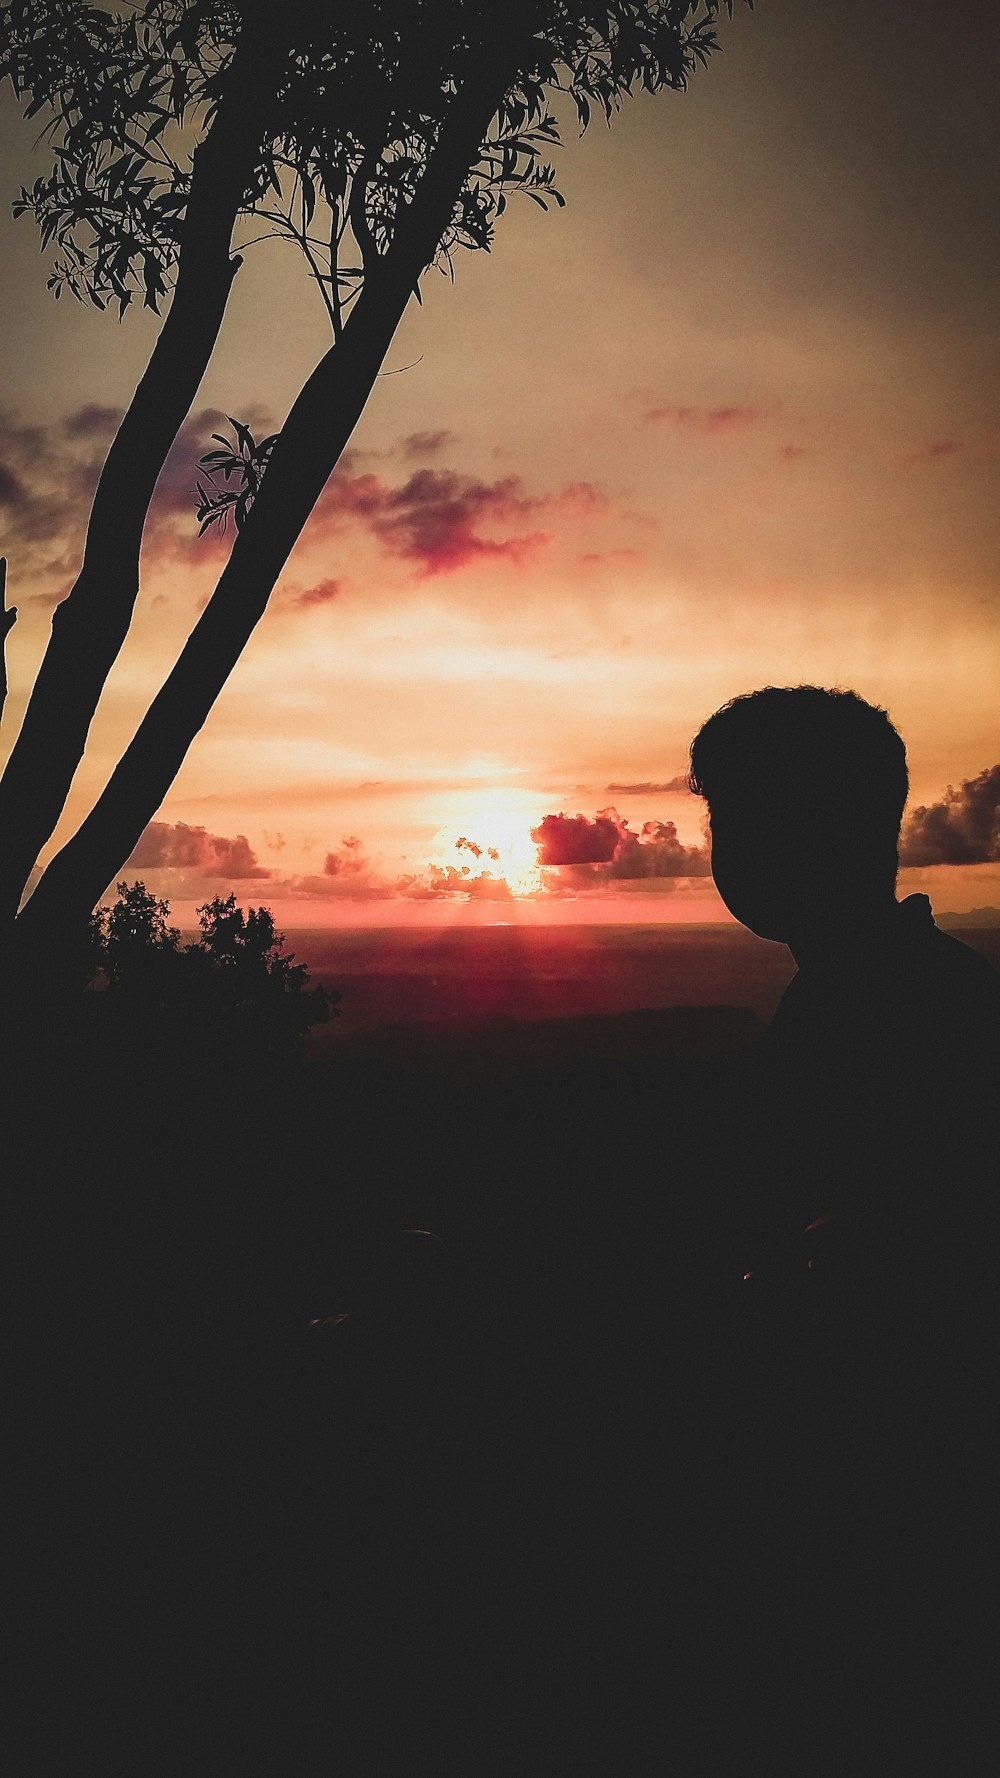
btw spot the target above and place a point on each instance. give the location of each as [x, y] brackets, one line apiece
[979, 918]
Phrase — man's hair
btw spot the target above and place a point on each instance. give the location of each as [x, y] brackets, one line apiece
[826, 756]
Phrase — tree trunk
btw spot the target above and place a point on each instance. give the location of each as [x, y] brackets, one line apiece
[8, 618]
[90, 625]
[317, 429]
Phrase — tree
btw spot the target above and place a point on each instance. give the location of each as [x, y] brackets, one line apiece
[233, 997]
[379, 135]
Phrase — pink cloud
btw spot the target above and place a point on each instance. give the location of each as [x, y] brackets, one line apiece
[573, 839]
[321, 594]
[438, 518]
[606, 849]
[349, 860]
[439, 881]
[176, 846]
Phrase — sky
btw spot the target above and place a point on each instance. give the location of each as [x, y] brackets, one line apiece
[729, 418]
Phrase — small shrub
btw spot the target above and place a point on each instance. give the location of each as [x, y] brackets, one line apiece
[235, 993]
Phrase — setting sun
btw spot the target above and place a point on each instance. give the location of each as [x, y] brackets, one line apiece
[493, 840]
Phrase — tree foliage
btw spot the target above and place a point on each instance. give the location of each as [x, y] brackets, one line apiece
[379, 136]
[239, 467]
[235, 990]
[359, 98]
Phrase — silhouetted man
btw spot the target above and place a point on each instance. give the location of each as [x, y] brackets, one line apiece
[861, 1455]
[878, 1095]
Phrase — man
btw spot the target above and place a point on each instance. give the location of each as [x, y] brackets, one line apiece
[878, 1086]
[862, 1446]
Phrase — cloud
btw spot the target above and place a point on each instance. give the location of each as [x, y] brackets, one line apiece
[448, 880]
[656, 851]
[320, 594]
[439, 519]
[13, 493]
[350, 875]
[349, 860]
[426, 444]
[573, 839]
[702, 419]
[607, 849]
[963, 828]
[672, 786]
[176, 846]
[93, 421]
[941, 447]
[947, 445]
[436, 519]
[48, 475]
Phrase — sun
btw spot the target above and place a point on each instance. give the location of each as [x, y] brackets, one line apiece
[493, 838]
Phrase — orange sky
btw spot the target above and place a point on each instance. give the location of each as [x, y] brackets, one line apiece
[729, 418]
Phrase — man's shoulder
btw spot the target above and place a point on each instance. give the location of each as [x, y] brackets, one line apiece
[917, 985]
[952, 961]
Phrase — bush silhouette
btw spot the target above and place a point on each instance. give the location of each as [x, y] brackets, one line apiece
[235, 992]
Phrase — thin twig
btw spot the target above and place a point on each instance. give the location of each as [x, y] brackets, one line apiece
[8, 618]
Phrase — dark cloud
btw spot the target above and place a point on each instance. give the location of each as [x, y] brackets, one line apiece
[464, 845]
[426, 444]
[93, 421]
[656, 851]
[176, 846]
[13, 493]
[647, 788]
[49, 474]
[607, 849]
[573, 839]
[963, 828]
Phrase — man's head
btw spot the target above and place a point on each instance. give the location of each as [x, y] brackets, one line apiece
[805, 789]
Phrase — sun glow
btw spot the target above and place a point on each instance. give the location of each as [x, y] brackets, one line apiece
[493, 840]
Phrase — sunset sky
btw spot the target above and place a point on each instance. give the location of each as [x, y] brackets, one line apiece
[729, 418]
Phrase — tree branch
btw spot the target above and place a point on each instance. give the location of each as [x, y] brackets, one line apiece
[360, 228]
[90, 625]
[8, 618]
[318, 427]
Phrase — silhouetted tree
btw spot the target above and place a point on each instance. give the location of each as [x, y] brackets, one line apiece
[132, 932]
[380, 137]
[232, 994]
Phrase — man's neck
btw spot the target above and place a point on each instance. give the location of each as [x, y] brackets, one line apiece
[835, 932]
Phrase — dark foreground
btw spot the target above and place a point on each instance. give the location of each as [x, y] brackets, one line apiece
[410, 1412]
